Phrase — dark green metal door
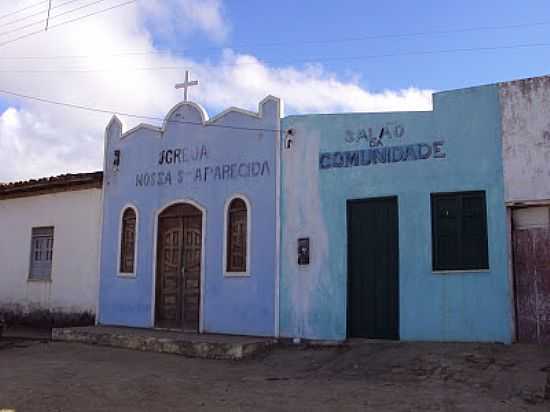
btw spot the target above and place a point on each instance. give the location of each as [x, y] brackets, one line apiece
[373, 268]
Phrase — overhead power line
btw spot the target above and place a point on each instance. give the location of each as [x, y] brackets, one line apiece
[40, 13]
[295, 42]
[53, 17]
[308, 60]
[23, 9]
[68, 21]
[129, 115]
[11, 22]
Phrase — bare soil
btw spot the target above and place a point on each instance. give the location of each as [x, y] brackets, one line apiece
[45, 376]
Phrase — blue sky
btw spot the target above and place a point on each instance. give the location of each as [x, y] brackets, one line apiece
[290, 25]
[311, 54]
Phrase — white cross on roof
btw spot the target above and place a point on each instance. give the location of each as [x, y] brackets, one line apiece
[186, 84]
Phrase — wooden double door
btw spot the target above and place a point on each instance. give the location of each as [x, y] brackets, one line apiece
[373, 268]
[178, 277]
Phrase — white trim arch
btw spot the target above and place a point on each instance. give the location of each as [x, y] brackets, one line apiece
[136, 240]
[228, 201]
[156, 216]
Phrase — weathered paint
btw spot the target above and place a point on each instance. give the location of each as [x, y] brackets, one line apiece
[525, 106]
[203, 162]
[72, 289]
[463, 306]
[531, 240]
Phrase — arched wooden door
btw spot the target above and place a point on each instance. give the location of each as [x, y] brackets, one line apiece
[178, 282]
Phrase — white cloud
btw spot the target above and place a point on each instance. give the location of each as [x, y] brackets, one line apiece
[242, 80]
[32, 147]
[172, 17]
[39, 140]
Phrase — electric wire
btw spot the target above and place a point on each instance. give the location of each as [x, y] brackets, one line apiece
[131, 115]
[23, 9]
[311, 60]
[53, 17]
[68, 22]
[9, 23]
[306, 42]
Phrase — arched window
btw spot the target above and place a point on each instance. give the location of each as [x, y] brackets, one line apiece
[237, 236]
[128, 241]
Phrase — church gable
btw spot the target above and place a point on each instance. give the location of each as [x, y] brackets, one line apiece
[193, 114]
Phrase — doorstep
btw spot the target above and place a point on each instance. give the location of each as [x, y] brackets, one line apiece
[209, 346]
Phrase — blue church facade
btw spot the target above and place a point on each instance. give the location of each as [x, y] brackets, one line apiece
[190, 218]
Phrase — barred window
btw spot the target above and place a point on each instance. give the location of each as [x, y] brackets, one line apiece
[41, 253]
[237, 236]
[128, 241]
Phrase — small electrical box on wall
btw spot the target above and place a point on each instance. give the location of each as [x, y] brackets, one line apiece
[303, 251]
[116, 160]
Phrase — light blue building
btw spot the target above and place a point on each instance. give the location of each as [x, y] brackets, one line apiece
[328, 226]
[393, 225]
[190, 219]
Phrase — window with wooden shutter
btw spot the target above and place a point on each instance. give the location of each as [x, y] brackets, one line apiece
[128, 241]
[237, 236]
[459, 231]
[41, 253]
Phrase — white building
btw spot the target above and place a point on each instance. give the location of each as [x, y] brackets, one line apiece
[525, 111]
[49, 245]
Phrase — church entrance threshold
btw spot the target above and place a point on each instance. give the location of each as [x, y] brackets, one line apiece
[209, 346]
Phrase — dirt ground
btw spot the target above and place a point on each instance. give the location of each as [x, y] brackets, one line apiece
[46, 376]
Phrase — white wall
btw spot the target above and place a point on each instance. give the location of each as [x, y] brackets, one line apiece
[531, 217]
[75, 216]
[525, 108]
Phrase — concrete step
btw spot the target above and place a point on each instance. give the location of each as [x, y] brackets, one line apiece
[209, 346]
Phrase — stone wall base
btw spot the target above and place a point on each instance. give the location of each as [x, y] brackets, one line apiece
[15, 315]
